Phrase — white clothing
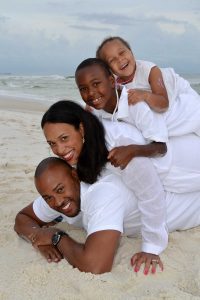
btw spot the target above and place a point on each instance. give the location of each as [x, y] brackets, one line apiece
[183, 115]
[109, 205]
[179, 169]
[150, 123]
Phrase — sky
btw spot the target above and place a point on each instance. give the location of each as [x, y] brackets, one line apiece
[46, 37]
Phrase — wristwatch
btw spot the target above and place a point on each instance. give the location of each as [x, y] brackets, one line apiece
[57, 237]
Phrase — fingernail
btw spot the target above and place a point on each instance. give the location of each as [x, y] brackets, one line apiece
[146, 272]
[153, 271]
[136, 269]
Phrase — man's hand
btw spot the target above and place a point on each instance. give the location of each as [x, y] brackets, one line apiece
[42, 236]
[121, 156]
[51, 253]
[149, 260]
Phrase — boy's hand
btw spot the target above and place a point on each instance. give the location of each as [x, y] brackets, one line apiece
[121, 156]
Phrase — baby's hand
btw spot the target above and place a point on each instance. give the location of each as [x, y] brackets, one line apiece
[135, 96]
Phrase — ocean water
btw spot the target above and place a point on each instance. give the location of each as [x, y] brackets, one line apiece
[53, 87]
[39, 88]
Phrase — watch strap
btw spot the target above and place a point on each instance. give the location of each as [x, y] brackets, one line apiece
[57, 237]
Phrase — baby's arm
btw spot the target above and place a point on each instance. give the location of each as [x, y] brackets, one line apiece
[122, 155]
[158, 98]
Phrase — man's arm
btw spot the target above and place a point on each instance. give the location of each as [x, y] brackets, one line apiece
[95, 255]
[28, 225]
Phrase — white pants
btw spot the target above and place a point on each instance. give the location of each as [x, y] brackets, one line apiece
[184, 173]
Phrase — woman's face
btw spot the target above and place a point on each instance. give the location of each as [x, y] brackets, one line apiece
[64, 140]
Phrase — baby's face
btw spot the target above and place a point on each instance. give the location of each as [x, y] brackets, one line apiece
[97, 88]
[119, 58]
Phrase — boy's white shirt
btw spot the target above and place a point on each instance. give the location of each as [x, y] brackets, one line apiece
[150, 123]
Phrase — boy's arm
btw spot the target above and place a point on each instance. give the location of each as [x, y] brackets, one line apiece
[158, 98]
[122, 155]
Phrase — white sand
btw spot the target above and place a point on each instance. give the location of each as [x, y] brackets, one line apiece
[24, 274]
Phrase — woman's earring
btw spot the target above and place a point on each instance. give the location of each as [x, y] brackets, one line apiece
[83, 140]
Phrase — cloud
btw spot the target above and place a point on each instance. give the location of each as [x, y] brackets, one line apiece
[54, 35]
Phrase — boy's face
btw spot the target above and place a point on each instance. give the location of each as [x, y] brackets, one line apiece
[60, 188]
[97, 89]
[119, 58]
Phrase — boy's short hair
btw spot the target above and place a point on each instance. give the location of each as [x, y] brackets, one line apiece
[94, 61]
[110, 39]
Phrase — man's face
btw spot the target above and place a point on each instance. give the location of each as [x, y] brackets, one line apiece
[60, 188]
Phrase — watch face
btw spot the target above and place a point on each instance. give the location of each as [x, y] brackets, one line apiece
[55, 238]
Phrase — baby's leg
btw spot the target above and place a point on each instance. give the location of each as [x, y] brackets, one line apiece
[184, 115]
[184, 174]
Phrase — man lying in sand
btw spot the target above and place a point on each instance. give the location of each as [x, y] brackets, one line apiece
[107, 208]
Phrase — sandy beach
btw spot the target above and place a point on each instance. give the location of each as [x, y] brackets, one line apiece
[25, 274]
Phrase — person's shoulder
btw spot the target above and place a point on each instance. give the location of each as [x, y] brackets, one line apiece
[107, 194]
[108, 184]
[145, 63]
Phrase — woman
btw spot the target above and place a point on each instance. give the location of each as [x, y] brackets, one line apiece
[77, 136]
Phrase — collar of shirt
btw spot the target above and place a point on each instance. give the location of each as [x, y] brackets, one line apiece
[122, 111]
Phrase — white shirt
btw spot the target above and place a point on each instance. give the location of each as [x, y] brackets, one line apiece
[150, 123]
[182, 117]
[178, 169]
[109, 205]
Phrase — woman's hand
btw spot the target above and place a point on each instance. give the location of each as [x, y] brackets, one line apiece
[51, 253]
[150, 261]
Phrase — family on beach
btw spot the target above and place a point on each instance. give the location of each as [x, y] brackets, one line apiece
[126, 163]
